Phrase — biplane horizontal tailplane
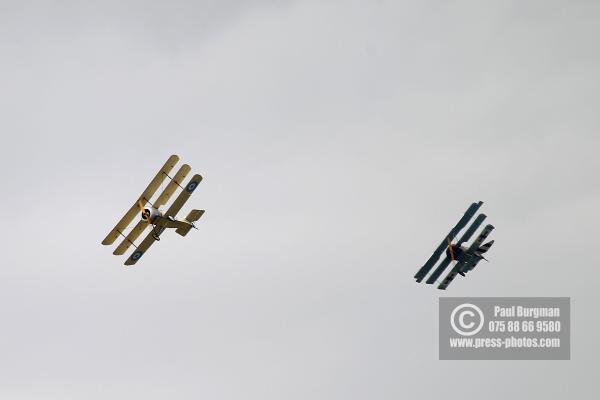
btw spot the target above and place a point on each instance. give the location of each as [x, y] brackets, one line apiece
[192, 217]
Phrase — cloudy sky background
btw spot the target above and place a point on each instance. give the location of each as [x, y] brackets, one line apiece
[339, 141]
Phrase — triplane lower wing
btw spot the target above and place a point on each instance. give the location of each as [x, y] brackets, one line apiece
[466, 258]
[151, 215]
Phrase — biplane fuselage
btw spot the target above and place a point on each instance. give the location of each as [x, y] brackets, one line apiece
[155, 217]
[466, 257]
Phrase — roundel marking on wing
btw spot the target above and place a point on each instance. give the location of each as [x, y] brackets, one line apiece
[191, 186]
[136, 256]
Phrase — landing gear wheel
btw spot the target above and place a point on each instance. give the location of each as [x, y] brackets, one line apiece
[154, 234]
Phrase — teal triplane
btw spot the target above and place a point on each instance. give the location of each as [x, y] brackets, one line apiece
[465, 257]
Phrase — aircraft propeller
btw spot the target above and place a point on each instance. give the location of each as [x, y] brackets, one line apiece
[450, 249]
[141, 205]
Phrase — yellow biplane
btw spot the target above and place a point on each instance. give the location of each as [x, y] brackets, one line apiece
[151, 215]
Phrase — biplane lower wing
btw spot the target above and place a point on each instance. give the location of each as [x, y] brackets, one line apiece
[144, 246]
[130, 238]
[439, 270]
[145, 198]
[460, 268]
[449, 278]
[121, 225]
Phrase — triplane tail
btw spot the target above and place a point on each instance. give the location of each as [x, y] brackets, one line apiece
[192, 217]
[485, 247]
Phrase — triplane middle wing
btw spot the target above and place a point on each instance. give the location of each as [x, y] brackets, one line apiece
[151, 215]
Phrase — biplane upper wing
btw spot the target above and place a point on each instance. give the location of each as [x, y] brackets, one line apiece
[145, 197]
[144, 246]
[183, 196]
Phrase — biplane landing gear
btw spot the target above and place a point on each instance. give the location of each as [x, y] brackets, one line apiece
[154, 234]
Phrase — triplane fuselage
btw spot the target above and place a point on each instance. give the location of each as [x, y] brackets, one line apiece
[160, 221]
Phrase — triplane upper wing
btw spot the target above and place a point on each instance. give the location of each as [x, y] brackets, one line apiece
[151, 216]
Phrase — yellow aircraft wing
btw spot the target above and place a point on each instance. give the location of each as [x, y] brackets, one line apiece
[176, 181]
[131, 237]
[144, 246]
[162, 199]
[144, 198]
[158, 230]
[183, 196]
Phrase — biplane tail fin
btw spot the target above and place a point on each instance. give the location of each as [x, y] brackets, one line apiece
[477, 244]
[485, 247]
[192, 217]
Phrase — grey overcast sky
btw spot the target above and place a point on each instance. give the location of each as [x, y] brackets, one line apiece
[339, 141]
